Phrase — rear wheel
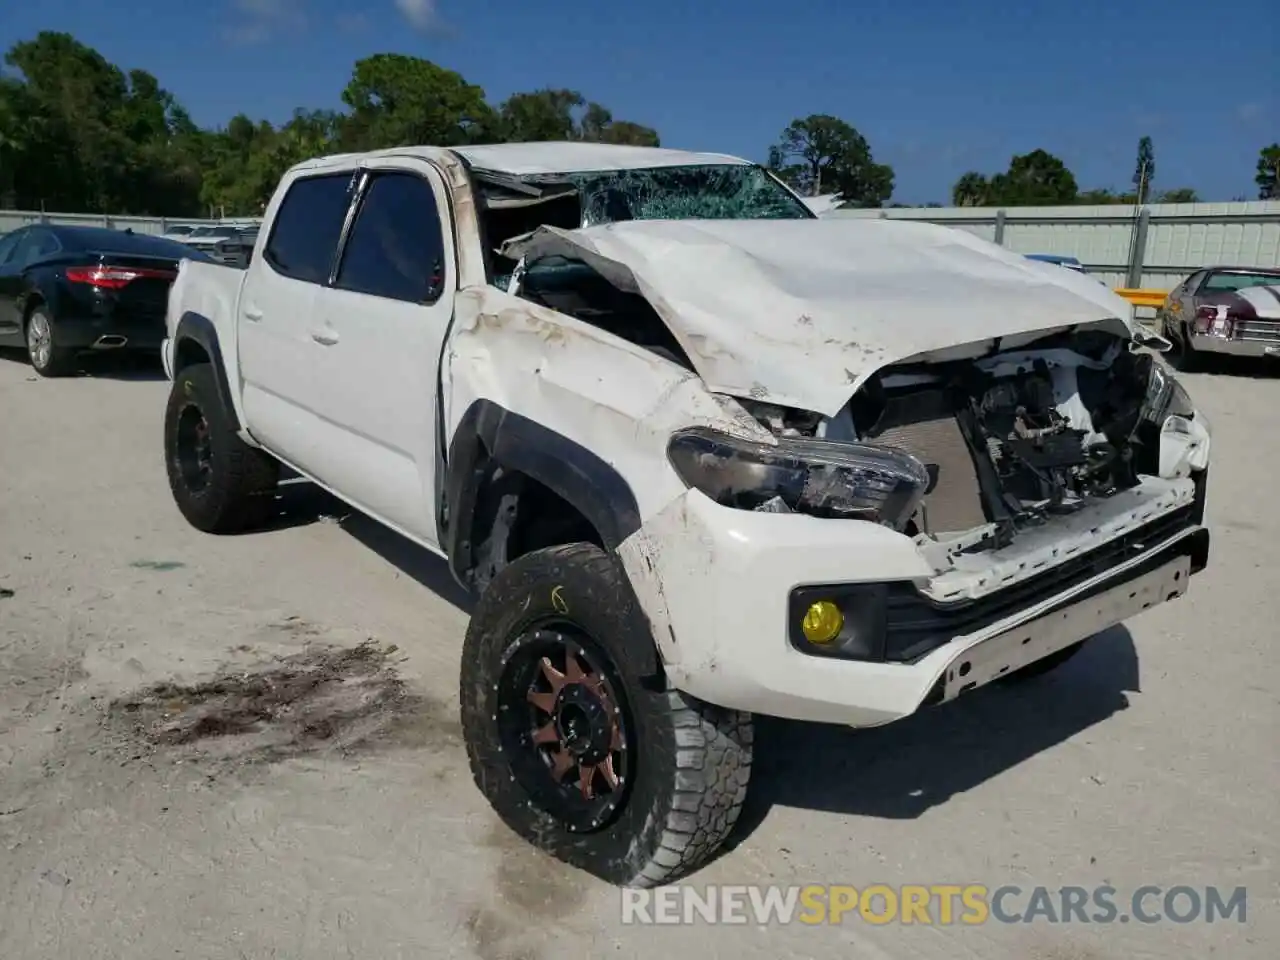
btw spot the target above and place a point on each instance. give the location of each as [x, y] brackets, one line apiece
[48, 359]
[575, 750]
[219, 482]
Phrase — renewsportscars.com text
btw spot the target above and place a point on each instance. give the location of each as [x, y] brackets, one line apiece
[934, 904]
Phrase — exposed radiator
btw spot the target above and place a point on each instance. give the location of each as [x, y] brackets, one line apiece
[924, 424]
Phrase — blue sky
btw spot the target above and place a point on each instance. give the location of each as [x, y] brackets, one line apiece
[937, 88]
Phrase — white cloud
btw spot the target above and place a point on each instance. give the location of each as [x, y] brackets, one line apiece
[256, 21]
[421, 14]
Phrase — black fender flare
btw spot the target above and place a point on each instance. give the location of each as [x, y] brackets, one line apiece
[200, 329]
[491, 436]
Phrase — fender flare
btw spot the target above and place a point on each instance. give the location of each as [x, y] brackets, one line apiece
[491, 436]
[200, 329]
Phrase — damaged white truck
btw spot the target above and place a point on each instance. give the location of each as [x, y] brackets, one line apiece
[699, 455]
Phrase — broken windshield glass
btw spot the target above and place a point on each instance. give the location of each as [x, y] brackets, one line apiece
[700, 192]
[516, 205]
[705, 192]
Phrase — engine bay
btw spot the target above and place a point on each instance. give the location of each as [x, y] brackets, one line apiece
[1010, 440]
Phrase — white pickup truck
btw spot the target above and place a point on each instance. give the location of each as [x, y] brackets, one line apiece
[698, 454]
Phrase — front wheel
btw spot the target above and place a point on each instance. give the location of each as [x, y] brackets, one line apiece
[574, 749]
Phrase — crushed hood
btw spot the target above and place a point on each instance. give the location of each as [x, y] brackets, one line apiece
[802, 312]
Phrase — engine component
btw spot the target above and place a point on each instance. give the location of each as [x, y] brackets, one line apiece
[1042, 461]
[1005, 442]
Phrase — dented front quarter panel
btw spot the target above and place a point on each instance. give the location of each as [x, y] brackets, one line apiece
[617, 400]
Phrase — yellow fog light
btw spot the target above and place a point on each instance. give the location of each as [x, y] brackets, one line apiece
[822, 622]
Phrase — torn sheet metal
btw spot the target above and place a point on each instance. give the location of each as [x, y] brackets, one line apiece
[616, 399]
[824, 204]
[968, 576]
[802, 312]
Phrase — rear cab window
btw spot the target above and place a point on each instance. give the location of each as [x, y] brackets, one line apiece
[308, 225]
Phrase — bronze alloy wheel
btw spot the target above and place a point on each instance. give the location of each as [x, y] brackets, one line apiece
[562, 721]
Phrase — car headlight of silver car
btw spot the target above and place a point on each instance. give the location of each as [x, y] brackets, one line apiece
[817, 477]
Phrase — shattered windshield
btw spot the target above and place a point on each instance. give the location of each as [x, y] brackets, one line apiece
[516, 205]
[705, 192]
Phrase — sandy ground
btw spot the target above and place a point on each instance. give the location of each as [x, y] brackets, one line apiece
[322, 824]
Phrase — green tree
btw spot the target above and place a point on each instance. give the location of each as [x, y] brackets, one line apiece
[566, 115]
[1268, 178]
[1179, 195]
[79, 133]
[540, 115]
[26, 135]
[821, 154]
[1033, 179]
[1098, 197]
[116, 138]
[398, 100]
[971, 190]
[1144, 170]
[630, 134]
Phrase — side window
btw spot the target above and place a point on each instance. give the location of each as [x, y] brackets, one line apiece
[35, 244]
[396, 247]
[1195, 281]
[46, 243]
[307, 226]
[9, 243]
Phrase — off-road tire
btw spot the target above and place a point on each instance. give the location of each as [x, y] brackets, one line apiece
[240, 493]
[692, 759]
[61, 362]
[1039, 668]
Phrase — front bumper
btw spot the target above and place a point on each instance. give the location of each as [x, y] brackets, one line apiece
[715, 583]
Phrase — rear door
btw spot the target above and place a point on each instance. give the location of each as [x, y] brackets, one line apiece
[34, 243]
[376, 344]
[10, 287]
[276, 316]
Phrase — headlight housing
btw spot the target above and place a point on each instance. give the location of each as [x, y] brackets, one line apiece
[1165, 397]
[816, 477]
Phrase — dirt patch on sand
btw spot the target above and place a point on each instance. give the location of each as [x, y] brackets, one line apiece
[324, 699]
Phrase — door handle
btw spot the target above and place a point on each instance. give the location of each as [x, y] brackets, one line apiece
[252, 313]
[326, 337]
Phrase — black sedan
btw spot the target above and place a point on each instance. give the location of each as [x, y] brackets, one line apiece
[68, 290]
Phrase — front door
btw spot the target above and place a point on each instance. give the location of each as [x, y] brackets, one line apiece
[378, 334]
